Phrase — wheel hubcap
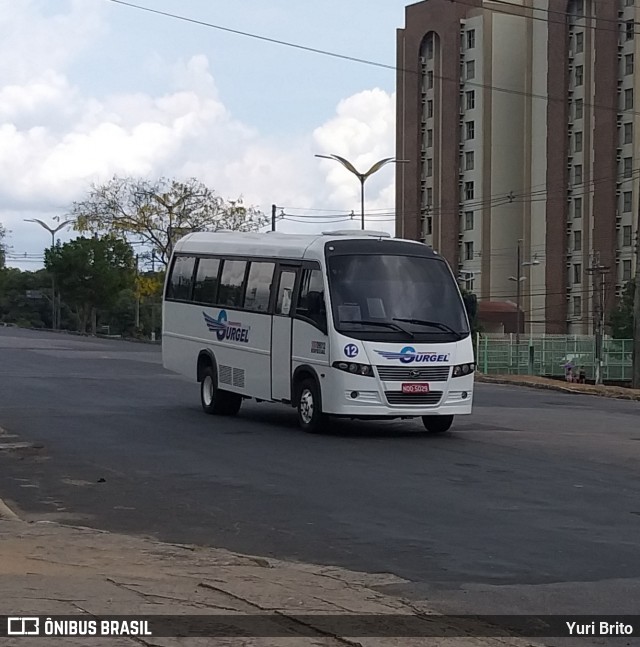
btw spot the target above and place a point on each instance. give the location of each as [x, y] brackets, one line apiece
[306, 406]
[207, 390]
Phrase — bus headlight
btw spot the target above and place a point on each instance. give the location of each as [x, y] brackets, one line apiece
[463, 369]
[355, 369]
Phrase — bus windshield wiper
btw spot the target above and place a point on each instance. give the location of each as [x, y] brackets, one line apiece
[433, 324]
[384, 324]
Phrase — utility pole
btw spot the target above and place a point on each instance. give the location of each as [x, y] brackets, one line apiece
[137, 296]
[273, 217]
[598, 272]
[518, 296]
[635, 380]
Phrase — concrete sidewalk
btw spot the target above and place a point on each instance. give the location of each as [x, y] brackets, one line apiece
[46, 568]
[537, 382]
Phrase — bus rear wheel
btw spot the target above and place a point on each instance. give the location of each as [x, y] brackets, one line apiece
[437, 424]
[213, 400]
[310, 416]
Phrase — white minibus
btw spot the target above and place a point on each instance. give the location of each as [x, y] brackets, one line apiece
[352, 324]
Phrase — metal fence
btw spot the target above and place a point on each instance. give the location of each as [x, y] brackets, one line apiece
[548, 356]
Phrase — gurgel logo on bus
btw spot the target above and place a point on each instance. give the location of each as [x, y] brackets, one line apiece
[231, 330]
[408, 355]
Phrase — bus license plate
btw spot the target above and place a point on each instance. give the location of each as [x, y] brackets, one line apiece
[415, 388]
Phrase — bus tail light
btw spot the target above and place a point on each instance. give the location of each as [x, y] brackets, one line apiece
[355, 369]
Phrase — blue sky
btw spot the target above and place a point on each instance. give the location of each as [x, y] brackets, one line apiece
[89, 88]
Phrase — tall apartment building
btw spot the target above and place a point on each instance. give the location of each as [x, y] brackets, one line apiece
[517, 120]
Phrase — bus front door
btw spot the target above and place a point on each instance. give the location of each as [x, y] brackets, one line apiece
[281, 332]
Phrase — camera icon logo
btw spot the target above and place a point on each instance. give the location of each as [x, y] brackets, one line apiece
[23, 626]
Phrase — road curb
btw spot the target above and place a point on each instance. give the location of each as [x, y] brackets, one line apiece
[550, 386]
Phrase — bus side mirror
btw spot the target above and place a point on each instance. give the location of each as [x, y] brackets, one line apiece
[471, 305]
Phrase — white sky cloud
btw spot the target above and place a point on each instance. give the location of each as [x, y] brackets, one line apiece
[56, 137]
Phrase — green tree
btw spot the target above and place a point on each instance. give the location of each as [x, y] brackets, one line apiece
[158, 213]
[622, 316]
[23, 300]
[90, 274]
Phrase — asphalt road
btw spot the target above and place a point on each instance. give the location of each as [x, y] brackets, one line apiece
[531, 505]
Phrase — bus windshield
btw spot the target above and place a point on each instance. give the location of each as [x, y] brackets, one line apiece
[392, 297]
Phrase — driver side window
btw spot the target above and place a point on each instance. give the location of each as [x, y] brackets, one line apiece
[311, 304]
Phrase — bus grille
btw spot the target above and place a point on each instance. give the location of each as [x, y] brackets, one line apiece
[404, 374]
[397, 397]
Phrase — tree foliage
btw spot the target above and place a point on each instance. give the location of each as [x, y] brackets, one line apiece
[90, 273]
[622, 316]
[158, 213]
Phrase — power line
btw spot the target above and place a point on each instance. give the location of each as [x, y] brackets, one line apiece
[386, 66]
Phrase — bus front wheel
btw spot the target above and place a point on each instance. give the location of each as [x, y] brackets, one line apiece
[213, 400]
[437, 424]
[310, 416]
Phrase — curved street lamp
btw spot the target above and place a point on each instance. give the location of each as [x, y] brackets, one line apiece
[362, 176]
[53, 231]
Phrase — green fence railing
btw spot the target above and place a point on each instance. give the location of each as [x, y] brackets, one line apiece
[548, 356]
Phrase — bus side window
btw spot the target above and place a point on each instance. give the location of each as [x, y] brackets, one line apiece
[285, 293]
[181, 281]
[311, 303]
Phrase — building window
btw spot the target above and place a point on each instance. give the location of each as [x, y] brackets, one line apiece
[468, 191]
[626, 236]
[627, 197]
[428, 225]
[429, 80]
[577, 306]
[630, 26]
[470, 70]
[577, 174]
[577, 142]
[469, 160]
[429, 108]
[579, 42]
[468, 220]
[628, 64]
[628, 133]
[429, 49]
[429, 138]
[626, 270]
[577, 241]
[577, 272]
[579, 76]
[468, 251]
[579, 108]
[471, 99]
[471, 39]
[470, 130]
[628, 99]
[628, 167]
[577, 208]
[577, 9]
[429, 167]
[429, 197]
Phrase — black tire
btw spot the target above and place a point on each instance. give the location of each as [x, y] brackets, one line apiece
[437, 424]
[214, 401]
[310, 416]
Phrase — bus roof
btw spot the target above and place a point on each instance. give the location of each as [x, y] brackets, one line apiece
[277, 244]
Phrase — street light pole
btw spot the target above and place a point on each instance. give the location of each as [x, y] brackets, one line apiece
[53, 231]
[362, 176]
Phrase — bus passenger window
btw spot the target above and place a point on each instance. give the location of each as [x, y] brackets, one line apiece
[181, 278]
[205, 289]
[311, 303]
[258, 290]
[231, 284]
